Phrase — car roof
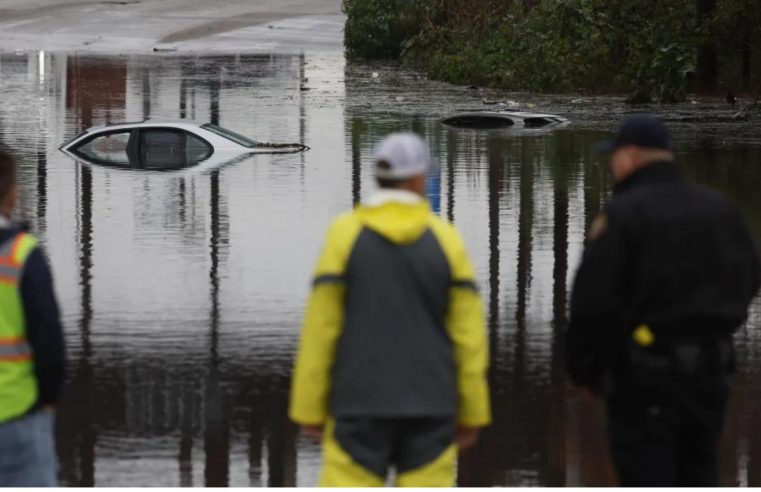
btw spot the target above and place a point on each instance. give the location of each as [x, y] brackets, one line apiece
[179, 123]
[507, 114]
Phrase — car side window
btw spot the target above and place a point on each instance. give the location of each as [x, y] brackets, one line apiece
[109, 148]
[196, 149]
[163, 148]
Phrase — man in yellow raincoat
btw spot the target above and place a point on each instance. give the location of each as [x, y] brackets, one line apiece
[391, 367]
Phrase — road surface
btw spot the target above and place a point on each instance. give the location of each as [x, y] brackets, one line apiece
[134, 26]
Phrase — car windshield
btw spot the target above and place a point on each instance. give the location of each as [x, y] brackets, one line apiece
[75, 137]
[230, 135]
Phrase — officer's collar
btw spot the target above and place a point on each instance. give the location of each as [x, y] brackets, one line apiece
[656, 172]
[383, 196]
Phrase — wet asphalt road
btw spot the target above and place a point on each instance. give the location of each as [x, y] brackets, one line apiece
[139, 26]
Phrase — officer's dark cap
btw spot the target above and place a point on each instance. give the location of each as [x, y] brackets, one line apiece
[641, 130]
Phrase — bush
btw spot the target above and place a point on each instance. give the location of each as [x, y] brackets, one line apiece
[572, 45]
[377, 29]
[644, 47]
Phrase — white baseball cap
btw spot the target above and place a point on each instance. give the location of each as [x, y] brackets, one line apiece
[406, 154]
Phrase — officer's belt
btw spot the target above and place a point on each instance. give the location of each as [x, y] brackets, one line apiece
[686, 357]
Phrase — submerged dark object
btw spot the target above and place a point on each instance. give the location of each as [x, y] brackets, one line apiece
[731, 99]
[503, 119]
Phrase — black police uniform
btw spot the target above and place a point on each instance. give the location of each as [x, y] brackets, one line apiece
[667, 276]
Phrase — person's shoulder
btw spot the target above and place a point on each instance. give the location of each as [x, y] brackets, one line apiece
[722, 208]
[345, 220]
[18, 242]
[28, 244]
[445, 231]
[708, 194]
[344, 228]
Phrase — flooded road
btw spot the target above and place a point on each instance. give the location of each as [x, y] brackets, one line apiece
[183, 293]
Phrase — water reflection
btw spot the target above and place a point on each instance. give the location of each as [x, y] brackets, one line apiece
[182, 295]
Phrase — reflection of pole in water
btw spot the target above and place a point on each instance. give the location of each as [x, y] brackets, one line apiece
[356, 160]
[216, 435]
[302, 109]
[85, 415]
[495, 183]
[216, 431]
[450, 174]
[185, 456]
[183, 90]
[214, 269]
[560, 247]
[281, 441]
[183, 98]
[42, 187]
[85, 256]
[255, 439]
[214, 87]
[182, 196]
[525, 226]
[478, 468]
[557, 450]
[146, 94]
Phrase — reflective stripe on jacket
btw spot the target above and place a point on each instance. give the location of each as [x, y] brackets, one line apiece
[18, 386]
[394, 326]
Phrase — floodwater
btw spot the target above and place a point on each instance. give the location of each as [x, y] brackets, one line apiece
[182, 293]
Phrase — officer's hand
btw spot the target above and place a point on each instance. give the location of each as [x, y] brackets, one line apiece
[313, 432]
[467, 437]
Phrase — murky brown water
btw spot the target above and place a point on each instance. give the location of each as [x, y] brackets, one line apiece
[182, 293]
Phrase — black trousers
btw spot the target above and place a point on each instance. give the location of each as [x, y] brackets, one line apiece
[665, 432]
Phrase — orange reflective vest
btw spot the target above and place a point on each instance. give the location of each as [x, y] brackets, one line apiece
[18, 385]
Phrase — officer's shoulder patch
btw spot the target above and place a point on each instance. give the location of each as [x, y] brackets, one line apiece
[599, 226]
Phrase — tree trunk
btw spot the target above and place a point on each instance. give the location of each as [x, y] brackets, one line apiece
[707, 58]
[746, 57]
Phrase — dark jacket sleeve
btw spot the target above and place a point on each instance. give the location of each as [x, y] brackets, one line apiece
[754, 265]
[596, 304]
[43, 326]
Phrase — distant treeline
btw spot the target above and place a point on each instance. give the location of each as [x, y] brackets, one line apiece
[659, 49]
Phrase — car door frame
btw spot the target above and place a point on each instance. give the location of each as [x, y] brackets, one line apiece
[134, 145]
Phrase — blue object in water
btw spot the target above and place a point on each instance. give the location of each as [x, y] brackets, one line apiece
[433, 190]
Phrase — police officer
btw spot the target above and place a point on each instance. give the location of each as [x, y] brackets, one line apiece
[31, 350]
[667, 276]
[391, 367]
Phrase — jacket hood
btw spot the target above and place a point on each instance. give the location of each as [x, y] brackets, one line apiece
[399, 216]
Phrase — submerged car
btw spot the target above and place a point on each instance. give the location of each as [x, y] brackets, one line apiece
[503, 119]
[167, 145]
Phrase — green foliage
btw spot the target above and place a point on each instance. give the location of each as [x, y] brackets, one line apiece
[644, 47]
[376, 29]
[736, 27]
[571, 45]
